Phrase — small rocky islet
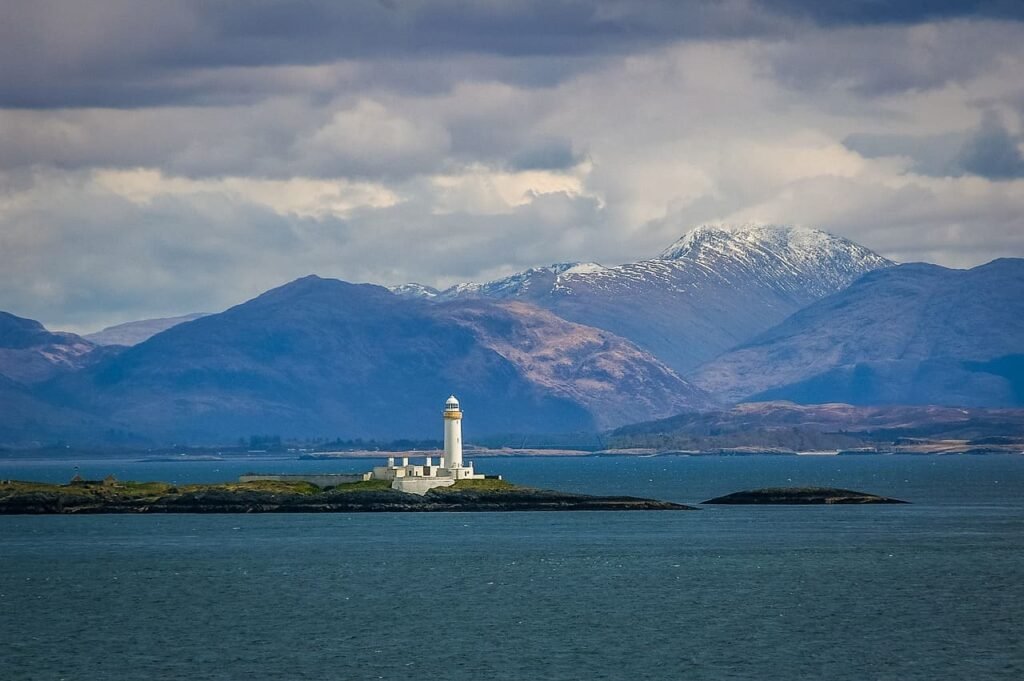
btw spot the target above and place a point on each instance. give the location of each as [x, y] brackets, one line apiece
[110, 496]
[801, 496]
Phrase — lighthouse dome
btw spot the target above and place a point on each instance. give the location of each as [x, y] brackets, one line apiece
[452, 403]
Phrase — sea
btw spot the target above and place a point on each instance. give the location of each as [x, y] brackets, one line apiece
[929, 590]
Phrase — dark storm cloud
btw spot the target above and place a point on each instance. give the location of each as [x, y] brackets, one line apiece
[875, 12]
[990, 151]
[934, 155]
[134, 52]
[127, 53]
[993, 152]
[546, 155]
[894, 59]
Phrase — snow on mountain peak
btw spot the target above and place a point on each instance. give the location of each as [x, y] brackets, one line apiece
[767, 235]
[795, 260]
[585, 268]
[798, 246]
[414, 290]
[516, 284]
[557, 268]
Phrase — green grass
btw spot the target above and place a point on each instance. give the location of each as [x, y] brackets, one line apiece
[274, 486]
[122, 490]
[26, 487]
[364, 486]
[139, 490]
[485, 485]
[143, 490]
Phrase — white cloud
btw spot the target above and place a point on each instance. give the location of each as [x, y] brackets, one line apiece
[372, 138]
[482, 190]
[298, 196]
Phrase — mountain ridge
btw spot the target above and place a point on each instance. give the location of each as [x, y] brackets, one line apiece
[711, 290]
[134, 332]
[915, 333]
[30, 353]
[322, 356]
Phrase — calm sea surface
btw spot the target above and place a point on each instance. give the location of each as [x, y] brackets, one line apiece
[932, 590]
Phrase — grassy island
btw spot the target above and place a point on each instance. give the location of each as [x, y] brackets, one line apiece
[272, 496]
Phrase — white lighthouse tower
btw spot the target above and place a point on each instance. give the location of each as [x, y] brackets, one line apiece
[452, 435]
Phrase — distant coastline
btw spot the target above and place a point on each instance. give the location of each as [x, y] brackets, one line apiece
[931, 448]
[215, 456]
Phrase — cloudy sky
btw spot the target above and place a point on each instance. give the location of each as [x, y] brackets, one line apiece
[159, 157]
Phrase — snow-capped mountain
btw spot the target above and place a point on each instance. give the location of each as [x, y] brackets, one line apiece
[716, 287]
[414, 290]
[534, 281]
[789, 258]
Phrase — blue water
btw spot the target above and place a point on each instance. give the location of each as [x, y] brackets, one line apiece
[932, 590]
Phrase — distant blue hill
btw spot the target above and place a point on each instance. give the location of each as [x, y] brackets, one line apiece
[18, 333]
[133, 333]
[910, 334]
[328, 358]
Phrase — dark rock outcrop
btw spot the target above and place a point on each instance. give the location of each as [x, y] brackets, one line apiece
[801, 496]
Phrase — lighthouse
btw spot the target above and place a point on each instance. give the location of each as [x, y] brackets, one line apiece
[420, 478]
[452, 434]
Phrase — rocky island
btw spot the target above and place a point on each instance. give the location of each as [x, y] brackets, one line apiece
[802, 495]
[112, 496]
